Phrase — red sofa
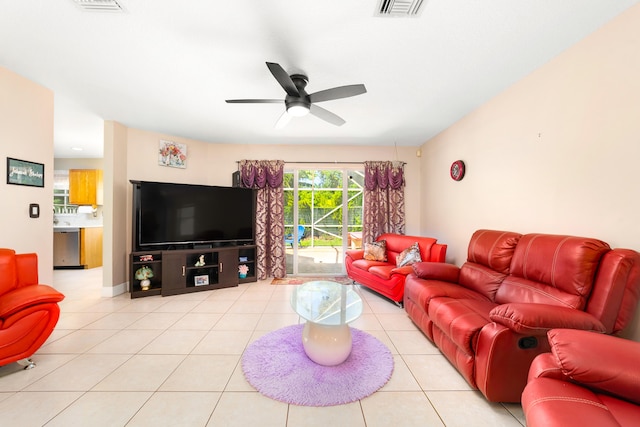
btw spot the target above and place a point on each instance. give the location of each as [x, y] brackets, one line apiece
[588, 379]
[490, 316]
[384, 277]
[28, 311]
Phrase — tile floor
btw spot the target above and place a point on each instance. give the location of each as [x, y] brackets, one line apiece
[175, 361]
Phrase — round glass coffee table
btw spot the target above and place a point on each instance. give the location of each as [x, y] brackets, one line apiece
[327, 307]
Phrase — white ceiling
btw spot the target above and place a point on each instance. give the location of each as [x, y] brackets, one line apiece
[168, 66]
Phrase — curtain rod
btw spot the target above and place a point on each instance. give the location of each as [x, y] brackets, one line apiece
[326, 163]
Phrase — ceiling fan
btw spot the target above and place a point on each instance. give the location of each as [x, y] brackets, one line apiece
[298, 102]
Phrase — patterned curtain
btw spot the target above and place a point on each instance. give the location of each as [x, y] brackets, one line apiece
[267, 177]
[383, 199]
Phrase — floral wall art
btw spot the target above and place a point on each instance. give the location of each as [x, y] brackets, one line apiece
[172, 154]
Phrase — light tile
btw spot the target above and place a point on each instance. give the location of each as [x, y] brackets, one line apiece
[140, 373]
[223, 342]
[70, 320]
[401, 379]
[13, 377]
[406, 409]
[213, 306]
[252, 306]
[202, 373]
[396, 322]
[273, 321]
[466, 408]
[173, 409]
[241, 409]
[77, 342]
[367, 322]
[434, 372]
[79, 374]
[157, 321]
[197, 321]
[340, 415]
[177, 306]
[115, 321]
[238, 322]
[128, 341]
[101, 409]
[412, 342]
[174, 342]
[34, 408]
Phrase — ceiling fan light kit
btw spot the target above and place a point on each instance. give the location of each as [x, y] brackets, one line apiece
[298, 102]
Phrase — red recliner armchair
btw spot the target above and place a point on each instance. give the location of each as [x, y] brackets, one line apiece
[588, 379]
[490, 317]
[28, 311]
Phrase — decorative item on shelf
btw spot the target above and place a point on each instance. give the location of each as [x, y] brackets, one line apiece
[143, 274]
[243, 270]
[200, 262]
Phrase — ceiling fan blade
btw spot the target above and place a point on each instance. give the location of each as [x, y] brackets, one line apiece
[337, 93]
[284, 120]
[283, 78]
[326, 115]
[254, 101]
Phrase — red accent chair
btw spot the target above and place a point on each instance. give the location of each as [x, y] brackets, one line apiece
[490, 317]
[588, 379]
[384, 277]
[28, 311]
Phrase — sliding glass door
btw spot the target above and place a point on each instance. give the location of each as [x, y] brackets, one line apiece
[323, 217]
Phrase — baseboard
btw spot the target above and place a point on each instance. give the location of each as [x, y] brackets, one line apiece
[110, 292]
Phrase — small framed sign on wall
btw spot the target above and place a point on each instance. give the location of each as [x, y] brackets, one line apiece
[22, 172]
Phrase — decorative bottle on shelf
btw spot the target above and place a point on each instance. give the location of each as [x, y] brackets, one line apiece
[143, 274]
[242, 271]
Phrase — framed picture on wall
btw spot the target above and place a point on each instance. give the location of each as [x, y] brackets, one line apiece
[172, 154]
[22, 172]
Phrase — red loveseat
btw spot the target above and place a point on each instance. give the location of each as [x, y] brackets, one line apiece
[384, 277]
[28, 311]
[490, 317]
[588, 379]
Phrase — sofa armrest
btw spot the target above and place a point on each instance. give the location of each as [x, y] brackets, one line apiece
[437, 271]
[538, 319]
[355, 254]
[601, 362]
[404, 270]
[438, 252]
[20, 298]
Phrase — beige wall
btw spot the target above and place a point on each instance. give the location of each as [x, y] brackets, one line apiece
[557, 152]
[116, 215]
[26, 133]
[213, 164]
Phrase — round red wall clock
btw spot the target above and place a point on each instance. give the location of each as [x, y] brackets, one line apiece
[457, 170]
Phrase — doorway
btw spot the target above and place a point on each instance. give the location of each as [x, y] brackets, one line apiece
[323, 217]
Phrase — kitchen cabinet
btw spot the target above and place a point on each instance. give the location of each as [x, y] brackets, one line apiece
[91, 247]
[85, 187]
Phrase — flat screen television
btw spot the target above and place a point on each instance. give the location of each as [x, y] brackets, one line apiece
[181, 216]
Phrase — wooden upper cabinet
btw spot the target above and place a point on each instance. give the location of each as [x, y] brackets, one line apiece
[85, 187]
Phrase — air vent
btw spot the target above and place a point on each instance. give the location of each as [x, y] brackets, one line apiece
[400, 7]
[99, 5]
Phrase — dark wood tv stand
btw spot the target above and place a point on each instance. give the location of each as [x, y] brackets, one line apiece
[191, 270]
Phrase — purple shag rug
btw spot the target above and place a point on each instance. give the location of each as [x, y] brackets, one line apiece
[277, 366]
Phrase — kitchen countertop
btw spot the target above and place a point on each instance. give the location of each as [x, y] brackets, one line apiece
[66, 227]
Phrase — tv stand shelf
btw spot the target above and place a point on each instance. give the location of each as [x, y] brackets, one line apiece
[192, 270]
